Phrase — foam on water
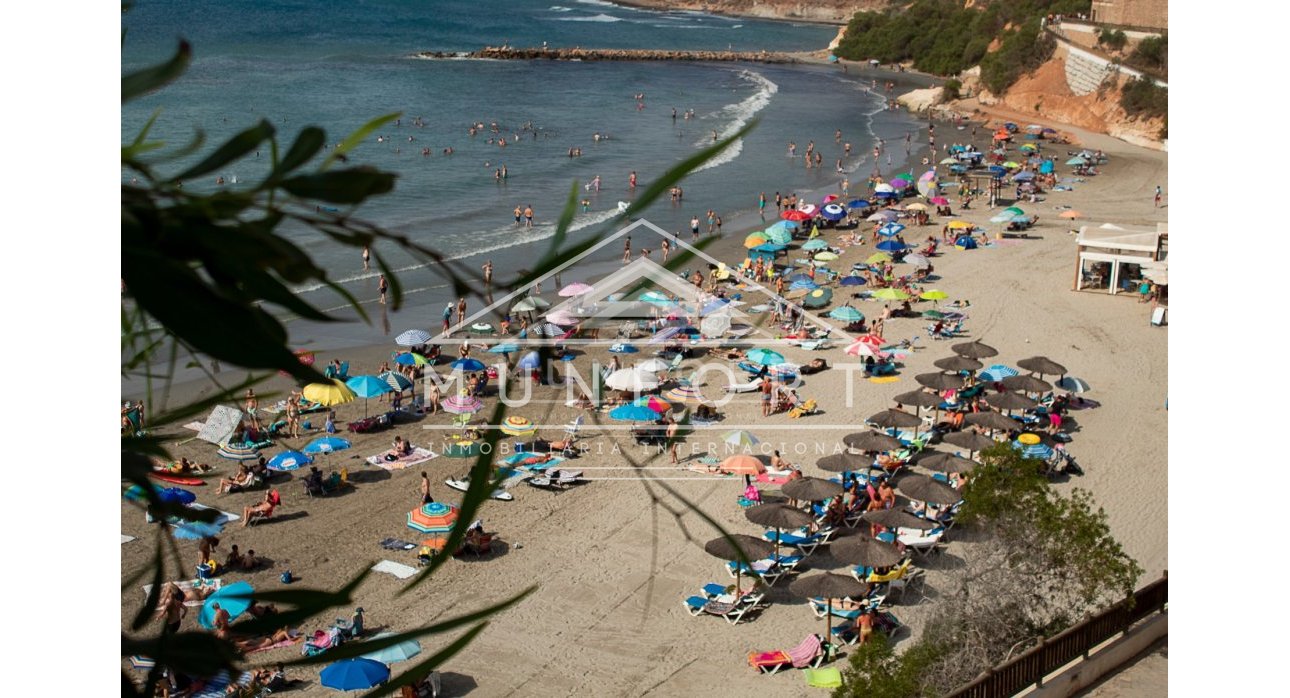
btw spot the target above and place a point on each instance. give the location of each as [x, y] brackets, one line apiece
[592, 18]
[740, 113]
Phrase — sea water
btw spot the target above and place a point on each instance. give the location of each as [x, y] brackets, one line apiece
[337, 65]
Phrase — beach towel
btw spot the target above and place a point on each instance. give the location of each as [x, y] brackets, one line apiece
[771, 479]
[826, 677]
[539, 467]
[195, 426]
[418, 455]
[396, 544]
[884, 379]
[398, 570]
[126, 539]
[220, 424]
[224, 516]
[187, 586]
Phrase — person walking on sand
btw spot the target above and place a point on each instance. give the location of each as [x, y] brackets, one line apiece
[627, 249]
[425, 489]
[447, 318]
[383, 287]
[1159, 193]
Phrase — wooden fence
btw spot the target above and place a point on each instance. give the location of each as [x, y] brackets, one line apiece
[1051, 654]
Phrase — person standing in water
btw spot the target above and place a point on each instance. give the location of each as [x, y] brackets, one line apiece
[488, 273]
[627, 249]
[383, 287]
[631, 180]
[761, 206]
[528, 216]
[367, 258]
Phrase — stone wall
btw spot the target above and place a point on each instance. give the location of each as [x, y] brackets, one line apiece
[1153, 14]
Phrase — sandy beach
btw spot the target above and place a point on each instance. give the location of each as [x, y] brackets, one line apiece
[612, 560]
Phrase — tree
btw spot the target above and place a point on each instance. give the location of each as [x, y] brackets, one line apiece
[950, 90]
[1034, 562]
[1152, 53]
[1113, 39]
[188, 256]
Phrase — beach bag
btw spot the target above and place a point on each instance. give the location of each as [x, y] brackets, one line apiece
[286, 577]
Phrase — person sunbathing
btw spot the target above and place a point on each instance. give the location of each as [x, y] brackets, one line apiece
[261, 610]
[401, 448]
[263, 508]
[259, 643]
[846, 604]
[242, 479]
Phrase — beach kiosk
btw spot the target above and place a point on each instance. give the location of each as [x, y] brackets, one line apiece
[1115, 259]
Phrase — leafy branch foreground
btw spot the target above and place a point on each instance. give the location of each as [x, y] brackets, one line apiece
[1036, 561]
[188, 256]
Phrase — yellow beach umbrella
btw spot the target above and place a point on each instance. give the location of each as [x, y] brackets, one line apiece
[755, 240]
[959, 225]
[933, 295]
[826, 256]
[328, 394]
[916, 207]
[878, 258]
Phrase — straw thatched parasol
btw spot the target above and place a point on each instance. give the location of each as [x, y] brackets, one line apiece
[925, 489]
[940, 381]
[811, 489]
[871, 441]
[974, 350]
[958, 363]
[970, 440]
[844, 462]
[1043, 365]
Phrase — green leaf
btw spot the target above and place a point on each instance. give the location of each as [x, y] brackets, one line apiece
[233, 149]
[349, 186]
[307, 144]
[149, 79]
[357, 137]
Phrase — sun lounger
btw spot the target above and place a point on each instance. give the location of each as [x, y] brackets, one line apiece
[749, 387]
[727, 607]
[883, 622]
[808, 653]
[804, 543]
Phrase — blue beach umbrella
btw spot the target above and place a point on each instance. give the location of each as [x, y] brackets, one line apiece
[326, 444]
[803, 284]
[1003, 217]
[816, 244]
[368, 386]
[833, 212]
[852, 280]
[891, 229]
[886, 195]
[633, 413]
[765, 357]
[846, 314]
[1046, 167]
[288, 460]
[234, 598]
[1076, 161]
[530, 361]
[467, 364]
[857, 203]
[504, 348]
[168, 495]
[996, 373]
[400, 652]
[892, 246]
[354, 674]
[410, 359]
[1023, 176]
[998, 170]
[397, 381]
[770, 247]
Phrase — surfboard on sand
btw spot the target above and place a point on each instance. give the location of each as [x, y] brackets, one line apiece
[176, 479]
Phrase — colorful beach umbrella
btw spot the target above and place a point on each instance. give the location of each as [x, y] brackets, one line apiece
[794, 215]
[684, 394]
[435, 517]
[933, 295]
[765, 357]
[408, 358]
[411, 338]
[516, 425]
[939, 201]
[779, 236]
[833, 212]
[576, 288]
[818, 298]
[808, 209]
[328, 394]
[397, 381]
[846, 314]
[354, 674]
[653, 402]
[234, 598]
[890, 294]
[755, 240]
[462, 404]
[997, 373]
[633, 413]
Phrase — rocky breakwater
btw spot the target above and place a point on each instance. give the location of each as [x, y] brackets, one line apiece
[507, 53]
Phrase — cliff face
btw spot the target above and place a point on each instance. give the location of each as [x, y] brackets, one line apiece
[830, 11]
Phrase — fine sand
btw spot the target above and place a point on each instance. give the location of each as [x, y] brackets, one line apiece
[614, 558]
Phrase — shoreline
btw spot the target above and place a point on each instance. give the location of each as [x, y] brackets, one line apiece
[671, 7]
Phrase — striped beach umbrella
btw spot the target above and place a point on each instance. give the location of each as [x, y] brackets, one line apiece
[654, 403]
[397, 381]
[562, 317]
[846, 314]
[411, 338]
[435, 517]
[576, 288]
[740, 438]
[997, 373]
[684, 394]
[463, 404]
[516, 425]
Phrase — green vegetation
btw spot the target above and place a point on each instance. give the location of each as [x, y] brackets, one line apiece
[1112, 39]
[1033, 563]
[950, 90]
[943, 38]
[1142, 97]
[1022, 50]
[1152, 53]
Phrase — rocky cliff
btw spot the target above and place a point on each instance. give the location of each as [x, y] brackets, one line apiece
[829, 11]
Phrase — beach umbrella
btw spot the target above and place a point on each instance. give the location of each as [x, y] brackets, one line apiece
[740, 464]
[529, 304]
[1076, 161]
[409, 358]
[818, 298]
[738, 546]
[991, 420]
[463, 449]
[516, 425]
[918, 260]
[1073, 385]
[654, 403]
[940, 381]
[368, 387]
[504, 348]
[957, 363]
[755, 240]
[326, 444]
[816, 244]
[915, 207]
[194, 530]
[945, 462]
[970, 440]
[890, 229]
[170, 495]
[846, 314]
[1032, 446]
[288, 460]
[397, 381]
[939, 201]
[884, 188]
[934, 314]
[411, 338]
[949, 161]
[1010, 401]
[548, 329]
[974, 350]
[1016, 211]
[811, 489]
[562, 317]
[893, 419]
[576, 288]
[828, 585]
[895, 518]
[996, 373]
[959, 225]
[354, 674]
[765, 357]
[529, 361]
[435, 517]
[885, 216]
[858, 203]
[1042, 365]
[1072, 214]
[778, 517]
[899, 183]
[827, 256]
[830, 198]
[925, 489]
[878, 258]
[860, 549]
[328, 394]
[740, 438]
[803, 285]
[631, 380]
[890, 294]
[400, 652]
[467, 364]
[933, 295]
[871, 441]
[1023, 176]
[623, 349]
[844, 462]
[808, 209]
[795, 215]
[833, 212]
[684, 394]
[918, 398]
[234, 598]
[852, 280]
[1027, 384]
[892, 246]
[779, 236]
[462, 404]
[1003, 217]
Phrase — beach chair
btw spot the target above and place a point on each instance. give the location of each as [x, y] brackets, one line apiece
[257, 517]
[571, 429]
[807, 407]
[322, 641]
[809, 653]
[919, 542]
[806, 544]
[750, 387]
[726, 606]
[913, 578]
